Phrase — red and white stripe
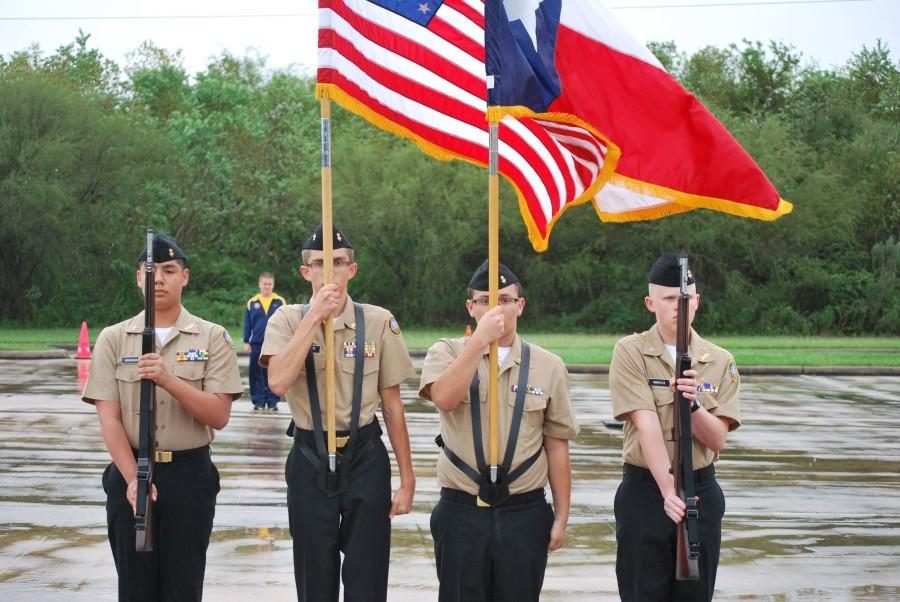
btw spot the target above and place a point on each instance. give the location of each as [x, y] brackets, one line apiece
[430, 83]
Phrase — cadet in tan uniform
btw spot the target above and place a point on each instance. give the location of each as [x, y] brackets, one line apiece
[196, 373]
[647, 506]
[492, 542]
[347, 512]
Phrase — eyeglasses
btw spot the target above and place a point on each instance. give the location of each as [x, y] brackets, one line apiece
[340, 264]
[485, 301]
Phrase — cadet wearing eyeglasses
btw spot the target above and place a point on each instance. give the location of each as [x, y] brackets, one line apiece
[347, 511]
[492, 542]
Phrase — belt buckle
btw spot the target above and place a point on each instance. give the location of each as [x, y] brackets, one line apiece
[163, 457]
[481, 503]
[341, 441]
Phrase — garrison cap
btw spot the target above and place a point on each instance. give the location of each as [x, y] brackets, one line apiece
[164, 249]
[667, 272]
[339, 240]
[479, 281]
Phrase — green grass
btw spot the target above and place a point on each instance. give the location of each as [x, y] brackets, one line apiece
[29, 339]
[813, 351]
[580, 348]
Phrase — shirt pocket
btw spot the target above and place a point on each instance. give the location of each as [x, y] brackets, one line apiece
[318, 361]
[460, 419]
[348, 365]
[369, 377]
[191, 372]
[127, 373]
[129, 384]
[533, 402]
[663, 396]
[535, 407]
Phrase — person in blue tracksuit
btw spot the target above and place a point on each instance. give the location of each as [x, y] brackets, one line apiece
[259, 308]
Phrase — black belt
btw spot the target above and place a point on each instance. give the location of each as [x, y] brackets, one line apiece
[183, 455]
[363, 434]
[636, 472]
[461, 497]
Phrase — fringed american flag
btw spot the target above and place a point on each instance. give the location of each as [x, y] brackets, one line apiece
[417, 69]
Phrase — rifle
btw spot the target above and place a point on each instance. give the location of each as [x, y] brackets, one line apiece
[143, 515]
[687, 547]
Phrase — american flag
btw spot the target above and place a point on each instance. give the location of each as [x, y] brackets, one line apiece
[416, 68]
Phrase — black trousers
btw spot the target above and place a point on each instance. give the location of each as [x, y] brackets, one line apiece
[497, 554]
[183, 515]
[355, 523]
[645, 556]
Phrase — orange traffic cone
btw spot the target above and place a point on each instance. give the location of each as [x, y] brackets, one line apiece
[84, 344]
[468, 330]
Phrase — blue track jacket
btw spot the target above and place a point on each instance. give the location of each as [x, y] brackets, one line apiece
[255, 319]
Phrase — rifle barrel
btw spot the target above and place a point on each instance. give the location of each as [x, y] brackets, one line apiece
[687, 545]
[143, 515]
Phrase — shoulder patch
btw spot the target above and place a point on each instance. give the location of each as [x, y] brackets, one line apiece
[394, 325]
[733, 372]
[228, 340]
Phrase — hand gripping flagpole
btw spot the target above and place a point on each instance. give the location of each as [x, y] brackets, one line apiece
[328, 250]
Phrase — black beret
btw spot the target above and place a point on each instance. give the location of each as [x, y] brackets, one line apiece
[339, 240]
[667, 271]
[164, 249]
[479, 281]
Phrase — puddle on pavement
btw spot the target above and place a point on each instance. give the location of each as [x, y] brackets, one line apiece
[811, 481]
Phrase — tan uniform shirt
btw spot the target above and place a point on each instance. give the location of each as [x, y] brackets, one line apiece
[386, 363]
[198, 352]
[547, 412]
[640, 359]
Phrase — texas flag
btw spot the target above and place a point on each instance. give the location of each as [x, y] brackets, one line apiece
[572, 63]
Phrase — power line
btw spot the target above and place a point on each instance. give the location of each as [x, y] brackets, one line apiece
[156, 17]
[735, 3]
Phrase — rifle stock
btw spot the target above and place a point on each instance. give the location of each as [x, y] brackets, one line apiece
[687, 544]
[143, 515]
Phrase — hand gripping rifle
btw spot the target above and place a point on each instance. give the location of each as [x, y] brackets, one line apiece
[143, 515]
[687, 548]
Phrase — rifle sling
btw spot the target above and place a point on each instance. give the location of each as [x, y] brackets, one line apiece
[692, 512]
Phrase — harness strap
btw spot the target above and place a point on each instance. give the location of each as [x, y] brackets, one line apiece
[356, 406]
[477, 476]
[474, 396]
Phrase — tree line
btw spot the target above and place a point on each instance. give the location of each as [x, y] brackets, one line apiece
[227, 161]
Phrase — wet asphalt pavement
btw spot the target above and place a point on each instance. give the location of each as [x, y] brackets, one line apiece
[812, 483]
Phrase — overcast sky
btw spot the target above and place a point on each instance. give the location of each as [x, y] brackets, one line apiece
[825, 31]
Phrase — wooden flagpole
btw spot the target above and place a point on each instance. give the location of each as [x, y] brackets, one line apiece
[328, 250]
[493, 291]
